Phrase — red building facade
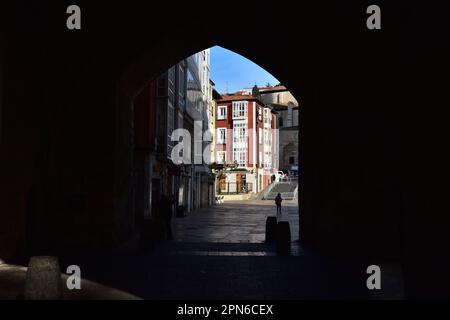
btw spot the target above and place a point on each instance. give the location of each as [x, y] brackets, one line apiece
[246, 136]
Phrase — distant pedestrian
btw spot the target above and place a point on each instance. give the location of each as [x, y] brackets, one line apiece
[166, 208]
[278, 200]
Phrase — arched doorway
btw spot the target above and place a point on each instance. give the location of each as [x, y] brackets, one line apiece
[277, 100]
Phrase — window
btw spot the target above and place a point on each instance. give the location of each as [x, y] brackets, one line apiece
[267, 159]
[280, 122]
[222, 112]
[181, 87]
[171, 83]
[240, 156]
[221, 135]
[239, 109]
[267, 115]
[221, 157]
[291, 160]
[171, 74]
[193, 92]
[240, 132]
[196, 58]
[266, 137]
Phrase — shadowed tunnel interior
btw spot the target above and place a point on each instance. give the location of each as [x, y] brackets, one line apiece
[373, 138]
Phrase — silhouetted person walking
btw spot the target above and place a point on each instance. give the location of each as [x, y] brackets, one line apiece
[166, 208]
[278, 200]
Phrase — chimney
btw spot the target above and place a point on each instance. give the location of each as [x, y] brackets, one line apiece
[255, 92]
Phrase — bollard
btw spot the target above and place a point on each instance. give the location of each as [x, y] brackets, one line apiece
[43, 279]
[271, 229]
[283, 237]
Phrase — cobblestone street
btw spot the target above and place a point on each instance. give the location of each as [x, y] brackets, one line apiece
[219, 253]
[234, 222]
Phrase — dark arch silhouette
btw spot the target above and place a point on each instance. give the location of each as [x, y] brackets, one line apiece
[374, 129]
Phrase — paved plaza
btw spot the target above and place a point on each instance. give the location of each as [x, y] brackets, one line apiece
[220, 253]
[237, 227]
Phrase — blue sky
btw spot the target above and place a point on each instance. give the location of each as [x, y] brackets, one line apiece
[239, 72]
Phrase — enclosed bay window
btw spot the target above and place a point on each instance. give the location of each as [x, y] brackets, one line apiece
[240, 132]
[240, 156]
[239, 109]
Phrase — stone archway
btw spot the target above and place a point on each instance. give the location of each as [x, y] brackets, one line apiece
[364, 113]
[140, 72]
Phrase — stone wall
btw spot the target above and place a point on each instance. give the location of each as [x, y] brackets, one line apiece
[289, 146]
